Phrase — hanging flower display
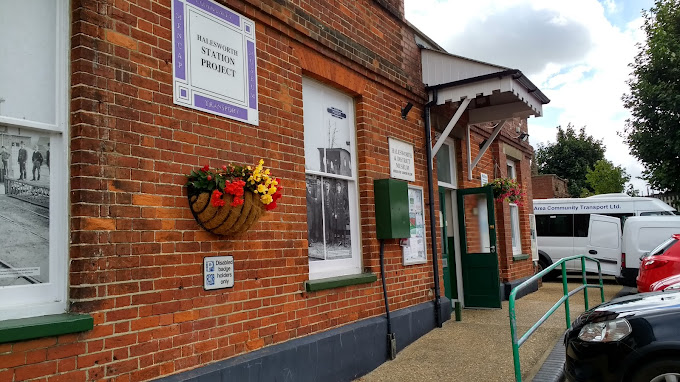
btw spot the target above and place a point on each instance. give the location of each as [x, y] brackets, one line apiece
[229, 200]
[507, 189]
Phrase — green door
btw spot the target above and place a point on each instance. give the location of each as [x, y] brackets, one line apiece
[481, 286]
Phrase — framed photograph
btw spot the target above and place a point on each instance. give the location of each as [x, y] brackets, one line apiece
[415, 250]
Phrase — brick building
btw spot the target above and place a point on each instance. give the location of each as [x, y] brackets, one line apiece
[103, 261]
[549, 186]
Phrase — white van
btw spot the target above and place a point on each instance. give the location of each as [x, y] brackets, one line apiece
[641, 234]
[565, 227]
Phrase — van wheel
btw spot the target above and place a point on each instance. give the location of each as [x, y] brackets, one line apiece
[543, 264]
[666, 369]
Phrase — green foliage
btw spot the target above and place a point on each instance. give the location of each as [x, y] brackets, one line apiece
[653, 131]
[571, 157]
[606, 178]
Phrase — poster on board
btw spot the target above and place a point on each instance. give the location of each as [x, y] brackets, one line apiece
[415, 250]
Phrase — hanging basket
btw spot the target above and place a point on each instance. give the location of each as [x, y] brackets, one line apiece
[225, 220]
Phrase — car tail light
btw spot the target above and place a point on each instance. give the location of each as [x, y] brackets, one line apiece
[651, 264]
[623, 260]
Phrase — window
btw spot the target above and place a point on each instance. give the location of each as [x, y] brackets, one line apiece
[555, 225]
[663, 247]
[514, 226]
[33, 193]
[581, 225]
[446, 166]
[512, 172]
[514, 214]
[330, 166]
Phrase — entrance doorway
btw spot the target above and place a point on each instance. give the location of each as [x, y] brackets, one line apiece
[479, 261]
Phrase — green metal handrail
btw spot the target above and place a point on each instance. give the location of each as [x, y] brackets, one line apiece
[565, 299]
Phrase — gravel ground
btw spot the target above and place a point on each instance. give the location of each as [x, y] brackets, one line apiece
[478, 348]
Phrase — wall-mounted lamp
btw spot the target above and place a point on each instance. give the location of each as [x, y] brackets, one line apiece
[406, 109]
[523, 137]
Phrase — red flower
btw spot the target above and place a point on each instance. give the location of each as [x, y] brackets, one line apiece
[237, 201]
[216, 198]
[271, 205]
[209, 177]
[234, 188]
[224, 167]
[205, 168]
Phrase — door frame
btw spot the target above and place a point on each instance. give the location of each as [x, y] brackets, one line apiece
[488, 192]
[450, 189]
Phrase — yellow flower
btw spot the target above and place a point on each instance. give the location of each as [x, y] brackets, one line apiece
[266, 199]
[261, 161]
[266, 172]
[249, 168]
[274, 182]
[272, 190]
[261, 188]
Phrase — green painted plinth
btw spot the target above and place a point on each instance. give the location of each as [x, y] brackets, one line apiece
[44, 326]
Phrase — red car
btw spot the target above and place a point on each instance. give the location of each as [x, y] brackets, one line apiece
[669, 283]
[662, 262]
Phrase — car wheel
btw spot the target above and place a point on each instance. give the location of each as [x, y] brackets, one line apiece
[543, 264]
[663, 370]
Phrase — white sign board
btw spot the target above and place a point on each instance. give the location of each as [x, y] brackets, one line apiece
[484, 178]
[218, 272]
[214, 60]
[415, 250]
[401, 160]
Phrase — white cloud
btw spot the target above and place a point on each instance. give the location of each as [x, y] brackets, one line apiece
[570, 50]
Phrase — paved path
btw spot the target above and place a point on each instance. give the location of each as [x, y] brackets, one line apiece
[478, 348]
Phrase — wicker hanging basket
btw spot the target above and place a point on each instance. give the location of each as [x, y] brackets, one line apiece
[225, 220]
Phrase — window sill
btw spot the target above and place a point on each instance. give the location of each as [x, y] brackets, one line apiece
[44, 326]
[521, 256]
[340, 281]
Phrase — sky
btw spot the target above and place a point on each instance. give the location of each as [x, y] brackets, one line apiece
[576, 51]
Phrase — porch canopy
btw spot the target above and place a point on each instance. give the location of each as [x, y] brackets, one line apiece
[491, 93]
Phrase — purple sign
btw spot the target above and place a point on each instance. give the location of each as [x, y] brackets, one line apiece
[180, 64]
[218, 107]
[252, 75]
[218, 11]
[215, 60]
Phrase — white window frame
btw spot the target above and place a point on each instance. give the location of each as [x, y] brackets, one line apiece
[449, 145]
[51, 297]
[514, 214]
[340, 267]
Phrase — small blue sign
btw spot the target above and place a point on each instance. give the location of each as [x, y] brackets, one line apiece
[209, 266]
[210, 279]
[337, 113]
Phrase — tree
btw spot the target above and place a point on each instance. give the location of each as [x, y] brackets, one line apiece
[571, 157]
[606, 178]
[653, 131]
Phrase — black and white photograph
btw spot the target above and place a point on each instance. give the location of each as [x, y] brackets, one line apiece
[24, 207]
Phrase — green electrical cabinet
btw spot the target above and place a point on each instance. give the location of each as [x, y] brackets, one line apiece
[391, 209]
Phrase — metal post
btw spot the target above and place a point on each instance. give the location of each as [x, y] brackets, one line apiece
[599, 271]
[513, 334]
[566, 292]
[585, 280]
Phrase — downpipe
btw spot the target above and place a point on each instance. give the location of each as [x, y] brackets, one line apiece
[391, 340]
[433, 220]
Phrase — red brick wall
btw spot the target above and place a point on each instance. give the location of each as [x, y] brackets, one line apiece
[549, 186]
[136, 251]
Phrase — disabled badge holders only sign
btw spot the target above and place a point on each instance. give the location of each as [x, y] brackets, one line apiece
[218, 272]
